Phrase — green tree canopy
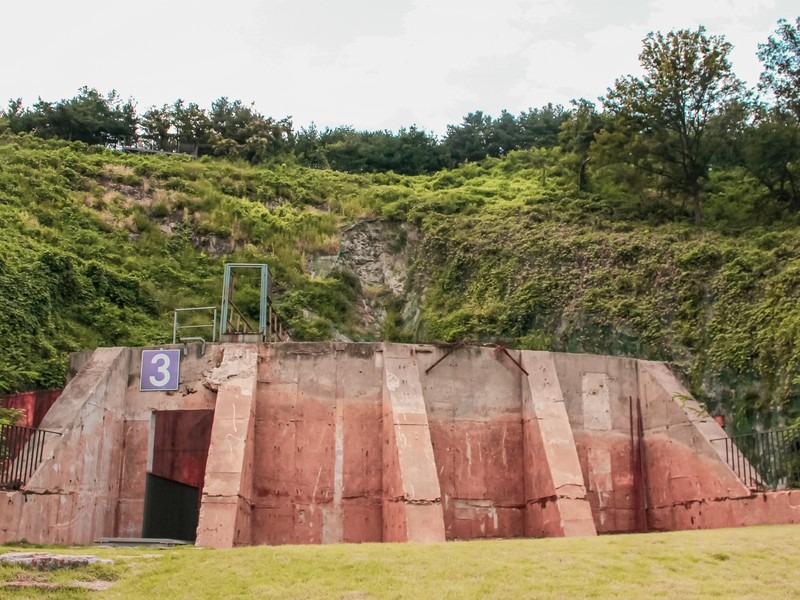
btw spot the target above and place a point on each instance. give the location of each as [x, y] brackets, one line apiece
[780, 56]
[770, 148]
[669, 118]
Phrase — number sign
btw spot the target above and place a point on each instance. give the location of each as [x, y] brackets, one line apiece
[161, 370]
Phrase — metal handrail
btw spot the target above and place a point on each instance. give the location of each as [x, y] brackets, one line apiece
[176, 327]
[241, 316]
[21, 452]
[765, 460]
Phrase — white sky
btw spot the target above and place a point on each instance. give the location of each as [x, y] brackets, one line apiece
[371, 64]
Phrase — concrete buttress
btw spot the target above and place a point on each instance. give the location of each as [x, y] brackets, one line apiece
[555, 496]
[412, 508]
[226, 505]
[72, 496]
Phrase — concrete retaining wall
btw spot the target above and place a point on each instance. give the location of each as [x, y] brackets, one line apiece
[323, 443]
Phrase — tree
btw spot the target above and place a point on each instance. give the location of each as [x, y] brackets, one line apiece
[504, 136]
[18, 117]
[88, 117]
[770, 151]
[577, 132]
[192, 125]
[417, 152]
[240, 131]
[540, 126]
[781, 59]
[670, 116]
[468, 141]
[157, 125]
[771, 147]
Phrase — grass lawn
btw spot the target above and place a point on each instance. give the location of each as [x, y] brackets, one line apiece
[753, 562]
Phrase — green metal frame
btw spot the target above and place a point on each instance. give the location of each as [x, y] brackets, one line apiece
[227, 297]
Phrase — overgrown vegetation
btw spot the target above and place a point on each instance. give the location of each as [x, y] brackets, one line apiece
[98, 247]
[590, 239]
[9, 416]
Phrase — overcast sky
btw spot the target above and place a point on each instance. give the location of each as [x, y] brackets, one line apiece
[371, 64]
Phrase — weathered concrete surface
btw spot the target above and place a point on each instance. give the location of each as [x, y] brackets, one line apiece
[412, 507]
[71, 498]
[767, 508]
[598, 393]
[472, 397]
[318, 444]
[683, 466]
[143, 410]
[340, 442]
[555, 496]
[226, 505]
[180, 445]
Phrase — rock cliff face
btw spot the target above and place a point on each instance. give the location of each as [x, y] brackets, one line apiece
[378, 254]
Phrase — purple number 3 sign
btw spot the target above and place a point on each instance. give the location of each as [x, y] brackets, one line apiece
[161, 370]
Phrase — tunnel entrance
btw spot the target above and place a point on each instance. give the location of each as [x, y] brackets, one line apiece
[176, 470]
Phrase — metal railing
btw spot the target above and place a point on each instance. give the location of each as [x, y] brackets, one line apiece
[276, 330]
[232, 319]
[21, 450]
[177, 327]
[237, 321]
[765, 461]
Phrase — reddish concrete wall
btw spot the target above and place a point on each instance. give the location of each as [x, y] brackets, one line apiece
[34, 404]
[140, 408]
[599, 392]
[72, 496]
[684, 467]
[475, 415]
[318, 452]
[320, 443]
[557, 502]
[767, 508]
[680, 464]
[412, 499]
[180, 445]
[226, 509]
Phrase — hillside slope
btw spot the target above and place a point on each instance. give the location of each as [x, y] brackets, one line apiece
[97, 248]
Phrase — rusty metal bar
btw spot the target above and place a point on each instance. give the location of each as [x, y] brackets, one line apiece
[641, 455]
[452, 349]
[505, 351]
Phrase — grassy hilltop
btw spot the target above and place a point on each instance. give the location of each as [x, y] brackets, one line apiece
[97, 248]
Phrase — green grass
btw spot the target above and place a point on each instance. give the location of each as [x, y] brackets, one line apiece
[754, 562]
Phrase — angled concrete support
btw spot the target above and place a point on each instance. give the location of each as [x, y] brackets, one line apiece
[226, 505]
[412, 504]
[71, 497]
[685, 455]
[555, 496]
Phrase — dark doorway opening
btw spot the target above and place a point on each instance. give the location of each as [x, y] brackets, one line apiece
[175, 474]
[171, 509]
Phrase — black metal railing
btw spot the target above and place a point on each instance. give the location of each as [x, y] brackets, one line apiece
[21, 450]
[765, 460]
